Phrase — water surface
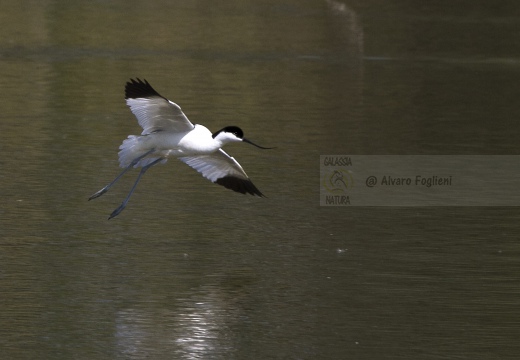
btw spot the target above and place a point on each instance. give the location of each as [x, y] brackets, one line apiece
[191, 270]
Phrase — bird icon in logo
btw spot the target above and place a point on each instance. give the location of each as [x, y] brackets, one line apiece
[338, 181]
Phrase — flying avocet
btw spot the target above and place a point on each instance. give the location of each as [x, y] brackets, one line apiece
[167, 132]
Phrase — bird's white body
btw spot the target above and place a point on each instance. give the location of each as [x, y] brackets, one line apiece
[167, 133]
[197, 141]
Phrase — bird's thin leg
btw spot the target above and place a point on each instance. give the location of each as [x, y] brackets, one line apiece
[125, 201]
[133, 163]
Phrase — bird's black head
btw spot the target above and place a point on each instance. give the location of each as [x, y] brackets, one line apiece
[232, 134]
[235, 130]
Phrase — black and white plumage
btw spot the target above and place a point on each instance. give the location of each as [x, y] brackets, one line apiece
[167, 132]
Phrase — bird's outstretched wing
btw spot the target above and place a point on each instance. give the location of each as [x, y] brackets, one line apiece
[224, 170]
[153, 111]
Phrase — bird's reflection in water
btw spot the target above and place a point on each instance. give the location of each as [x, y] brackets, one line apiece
[192, 330]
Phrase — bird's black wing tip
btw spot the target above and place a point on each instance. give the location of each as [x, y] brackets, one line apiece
[243, 186]
[139, 89]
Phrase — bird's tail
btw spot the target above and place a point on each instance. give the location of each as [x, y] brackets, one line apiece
[131, 149]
